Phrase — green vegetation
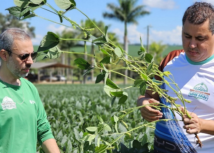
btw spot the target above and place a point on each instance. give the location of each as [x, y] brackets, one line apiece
[73, 108]
[100, 136]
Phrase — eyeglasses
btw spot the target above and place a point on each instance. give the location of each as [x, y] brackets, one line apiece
[25, 56]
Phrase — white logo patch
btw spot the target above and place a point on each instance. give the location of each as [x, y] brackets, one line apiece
[32, 102]
[8, 103]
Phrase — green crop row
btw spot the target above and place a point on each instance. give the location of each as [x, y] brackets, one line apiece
[73, 108]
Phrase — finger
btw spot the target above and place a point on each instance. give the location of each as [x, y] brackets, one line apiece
[187, 120]
[151, 112]
[154, 102]
[149, 116]
[151, 119]
[192, 131]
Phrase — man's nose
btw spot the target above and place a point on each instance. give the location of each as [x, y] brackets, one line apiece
[29, 60]
[192, 43]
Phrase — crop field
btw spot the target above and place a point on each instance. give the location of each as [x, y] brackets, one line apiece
[73, 108]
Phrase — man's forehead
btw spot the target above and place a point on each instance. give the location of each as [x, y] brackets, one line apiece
[22, 45]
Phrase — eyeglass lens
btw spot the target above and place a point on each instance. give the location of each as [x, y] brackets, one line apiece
[25, 56]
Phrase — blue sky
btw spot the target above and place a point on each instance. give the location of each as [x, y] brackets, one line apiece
[165, 19]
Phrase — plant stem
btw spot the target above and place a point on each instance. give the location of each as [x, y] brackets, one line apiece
[76, 53]
[90, 20]
[51, 21]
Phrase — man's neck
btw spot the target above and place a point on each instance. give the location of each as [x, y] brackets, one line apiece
[8, 77]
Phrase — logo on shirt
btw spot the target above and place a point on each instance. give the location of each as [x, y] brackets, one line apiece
[8, 103]
[32, 102]
[200, 91]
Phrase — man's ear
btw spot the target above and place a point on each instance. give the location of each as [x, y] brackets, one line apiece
[4, 54]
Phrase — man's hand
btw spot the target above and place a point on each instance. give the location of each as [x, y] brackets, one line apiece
[148, 113]
[192, 125]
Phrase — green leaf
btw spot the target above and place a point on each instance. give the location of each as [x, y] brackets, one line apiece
[148, 57]
[144, 76]
[99, 41]
[111, 84]
[105, 79]
[106, 60]
[50, 40]
[88, 70]
[107, 90]
[107, 127]
[123, 99]
[101, 148]
[116, 119]
[122, 128]
[138, 82]
[104, 51]
[143, 88]
[28, 16]
[15, 11]
[69, 146]
[53, 53]
[149, 68]
[91, 129]
[21, 3]
[81, 63]
[100, 78]
[36, 1]
[113, 100]
[76, 134]
[117, 93]
[21, 13]
[118, 52]
[90, 138]
[65, 4]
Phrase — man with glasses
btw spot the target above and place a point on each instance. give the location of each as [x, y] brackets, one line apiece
[23, 120]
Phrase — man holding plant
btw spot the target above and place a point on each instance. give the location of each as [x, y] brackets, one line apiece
[192, 70]
[23, 119]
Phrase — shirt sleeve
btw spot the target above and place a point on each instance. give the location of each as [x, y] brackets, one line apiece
[167, 59]
[43, 126]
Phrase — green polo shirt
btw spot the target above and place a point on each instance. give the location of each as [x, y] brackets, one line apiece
[23, 119]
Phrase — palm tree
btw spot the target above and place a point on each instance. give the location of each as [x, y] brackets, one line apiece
[127, 12]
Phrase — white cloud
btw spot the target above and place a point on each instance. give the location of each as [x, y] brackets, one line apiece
[162, 4]
[167, 37]
[133, 34]
[209, 1]
[37, 39]
[57, 29]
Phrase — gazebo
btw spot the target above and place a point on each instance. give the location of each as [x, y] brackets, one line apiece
[53, 65]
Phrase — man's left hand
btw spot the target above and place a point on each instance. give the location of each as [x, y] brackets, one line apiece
[193, 124]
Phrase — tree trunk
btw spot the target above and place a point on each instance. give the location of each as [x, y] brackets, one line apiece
[126, 50]
[92, 61]
[85, 57]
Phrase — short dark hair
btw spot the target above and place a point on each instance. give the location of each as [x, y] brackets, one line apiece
[198, 13]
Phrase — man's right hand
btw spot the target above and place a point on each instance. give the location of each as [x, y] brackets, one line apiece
[148, 113]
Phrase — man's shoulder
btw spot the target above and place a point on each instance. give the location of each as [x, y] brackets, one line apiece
[170, 57]
[25, 81]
